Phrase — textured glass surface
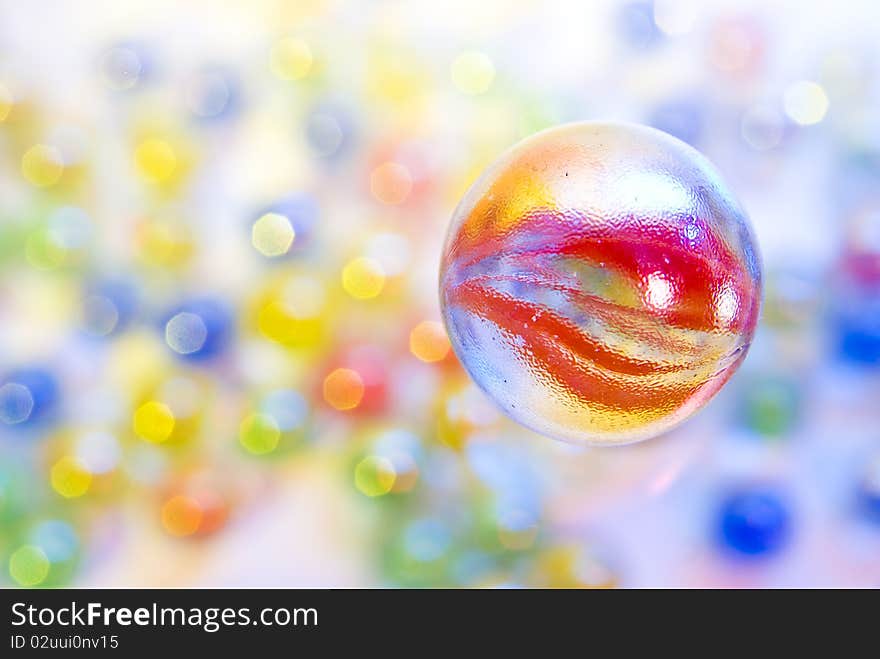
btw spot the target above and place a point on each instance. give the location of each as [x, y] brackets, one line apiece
[600, 282]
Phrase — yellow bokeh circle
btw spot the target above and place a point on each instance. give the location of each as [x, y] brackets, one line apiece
[42, 165]
[291, 59]
[70, 478]
[363, 278]
[153, 421]
[374, 476]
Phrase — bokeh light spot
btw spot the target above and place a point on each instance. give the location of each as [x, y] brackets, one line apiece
[259, 434]
[154, 422]
[428, 341]
[156, 160]
[762, 128]
[100, 315]
[291, 59]
[70, 478]
[391, 183]
[57, 539]
[122, 68]
[272, 235]
[16, 403]
[427, 540]
[181, 515]
[472, 72]
[363, 278]
[805, 103]
[209, 95]
[343, 389]
[42, 165]
[374, 476]
[186, 333]
[29, 566]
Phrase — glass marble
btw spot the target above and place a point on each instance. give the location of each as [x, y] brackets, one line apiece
[754, 522]
[600, 282]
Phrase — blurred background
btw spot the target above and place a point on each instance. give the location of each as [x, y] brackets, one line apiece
[220, 356]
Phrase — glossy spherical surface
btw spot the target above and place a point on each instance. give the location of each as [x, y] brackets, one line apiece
[600, 283]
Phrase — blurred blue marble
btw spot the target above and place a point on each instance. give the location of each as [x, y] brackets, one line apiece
[869, 492]
[856, 326]
[754, 522]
